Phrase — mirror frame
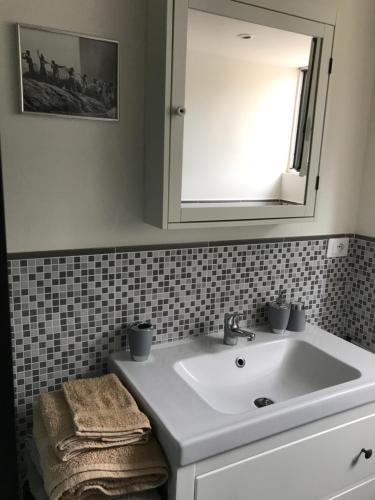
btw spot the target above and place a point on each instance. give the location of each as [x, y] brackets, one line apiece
[225, 215]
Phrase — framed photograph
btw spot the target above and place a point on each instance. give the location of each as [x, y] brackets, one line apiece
[67, 74]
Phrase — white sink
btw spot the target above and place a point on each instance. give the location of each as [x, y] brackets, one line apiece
[277, 371]
[201, 404]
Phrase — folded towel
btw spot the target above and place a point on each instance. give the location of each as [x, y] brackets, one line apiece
[144, 495]
[58, 422]
[107, 472]
[103, 409]
[35, 479]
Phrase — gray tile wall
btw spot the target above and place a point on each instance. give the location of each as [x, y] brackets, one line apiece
[69, 313]
[360, 297]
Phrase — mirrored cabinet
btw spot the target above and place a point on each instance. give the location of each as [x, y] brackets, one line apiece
[235, 106]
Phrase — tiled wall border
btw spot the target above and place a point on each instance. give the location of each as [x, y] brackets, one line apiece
[360, 302]
[168, 246]
[363, 237]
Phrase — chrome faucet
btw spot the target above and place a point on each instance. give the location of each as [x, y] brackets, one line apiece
[232, 329]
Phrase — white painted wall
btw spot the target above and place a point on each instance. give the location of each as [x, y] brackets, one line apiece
[238, 128]
[77, 183]
[366, 211]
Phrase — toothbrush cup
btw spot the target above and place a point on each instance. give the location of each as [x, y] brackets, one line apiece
[278, 316]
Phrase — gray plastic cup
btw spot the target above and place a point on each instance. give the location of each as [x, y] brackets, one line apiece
[297, 321]
[278, 316]
[140, 340]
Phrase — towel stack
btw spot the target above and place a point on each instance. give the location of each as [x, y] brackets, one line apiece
[94, 442]
[35, 477]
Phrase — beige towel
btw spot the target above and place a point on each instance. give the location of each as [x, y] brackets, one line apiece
[103, 409]
[110, 472]
[59, 426]
[35, 478]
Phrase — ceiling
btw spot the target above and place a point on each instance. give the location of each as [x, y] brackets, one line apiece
[217, 35]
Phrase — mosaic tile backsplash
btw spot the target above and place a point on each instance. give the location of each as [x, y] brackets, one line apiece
[360, 299]
[70, 312]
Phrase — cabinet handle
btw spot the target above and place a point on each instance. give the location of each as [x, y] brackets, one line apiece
[181, 111]
[367, 453]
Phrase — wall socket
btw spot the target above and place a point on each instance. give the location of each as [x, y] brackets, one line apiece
[337, 247]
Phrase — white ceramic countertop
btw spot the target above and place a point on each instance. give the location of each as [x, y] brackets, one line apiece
[191, 430]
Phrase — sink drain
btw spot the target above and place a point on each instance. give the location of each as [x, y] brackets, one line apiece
[240, 361]
[260, 402]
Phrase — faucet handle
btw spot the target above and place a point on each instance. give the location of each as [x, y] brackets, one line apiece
[235, 323]
[231, 320]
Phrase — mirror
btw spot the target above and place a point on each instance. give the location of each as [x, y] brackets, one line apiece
[250, 95]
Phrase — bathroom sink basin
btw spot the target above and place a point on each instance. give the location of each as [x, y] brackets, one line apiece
[256, 375]
[202, 403]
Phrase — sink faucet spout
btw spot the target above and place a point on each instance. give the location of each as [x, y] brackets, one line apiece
[232, 329]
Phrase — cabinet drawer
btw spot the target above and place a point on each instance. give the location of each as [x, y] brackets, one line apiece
[310, 469]
[362, 491]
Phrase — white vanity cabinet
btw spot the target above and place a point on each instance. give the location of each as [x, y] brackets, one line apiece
[221, 445]
[235, 106]
[319, 461]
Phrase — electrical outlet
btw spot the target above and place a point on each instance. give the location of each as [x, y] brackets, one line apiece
[338, 247]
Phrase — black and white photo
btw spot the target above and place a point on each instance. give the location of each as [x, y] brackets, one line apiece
[68, 74]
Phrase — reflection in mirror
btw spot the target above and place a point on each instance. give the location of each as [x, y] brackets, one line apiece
[250, 93]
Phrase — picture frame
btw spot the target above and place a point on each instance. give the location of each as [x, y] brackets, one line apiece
[66, 74]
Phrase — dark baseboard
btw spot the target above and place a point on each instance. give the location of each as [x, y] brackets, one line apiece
[167, 246]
